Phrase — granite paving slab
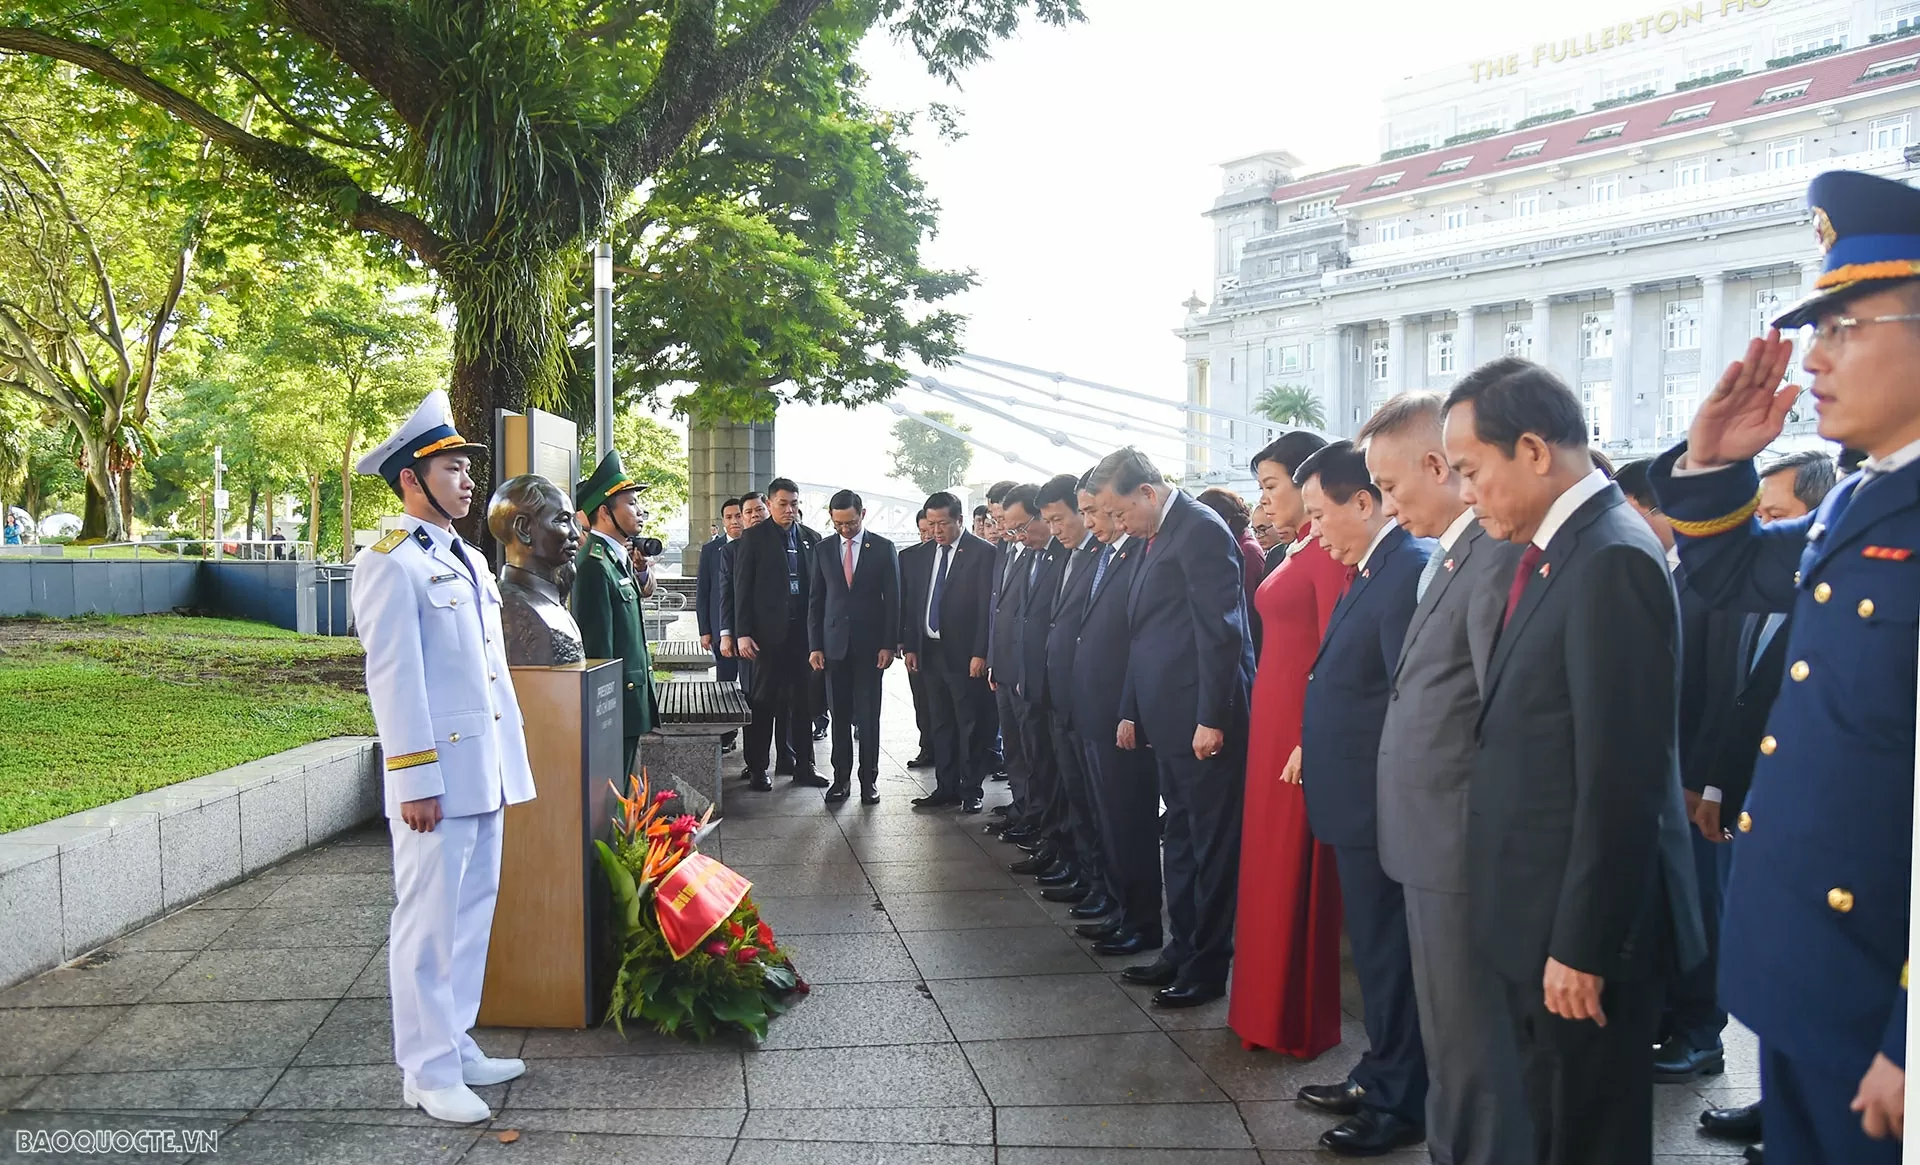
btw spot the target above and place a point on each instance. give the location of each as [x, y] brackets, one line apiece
[157, 1036]
[41, 1039]
[996, 951]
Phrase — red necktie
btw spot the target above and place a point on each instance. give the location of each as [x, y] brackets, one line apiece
[849, 548]
[1529, 558]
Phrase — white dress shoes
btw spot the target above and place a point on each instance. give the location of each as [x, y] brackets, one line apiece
[457, 1105]
[487, 1070]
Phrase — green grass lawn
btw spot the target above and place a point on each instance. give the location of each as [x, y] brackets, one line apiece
[93, 710]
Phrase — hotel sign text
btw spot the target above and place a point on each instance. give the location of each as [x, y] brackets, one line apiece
[1611, 37]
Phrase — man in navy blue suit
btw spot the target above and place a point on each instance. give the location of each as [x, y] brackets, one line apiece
[944, 618]
[708, 598]
[1338, 761]
[1189, 676]
[853, 625]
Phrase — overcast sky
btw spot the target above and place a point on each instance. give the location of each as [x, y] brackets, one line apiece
[1089, 156]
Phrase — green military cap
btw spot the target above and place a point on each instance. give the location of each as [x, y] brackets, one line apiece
[609, 478]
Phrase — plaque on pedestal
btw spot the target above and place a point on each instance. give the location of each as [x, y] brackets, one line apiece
[549, 963]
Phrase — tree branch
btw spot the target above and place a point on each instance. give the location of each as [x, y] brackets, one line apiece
[696, 74]
[298, 172]
[367, 38]
[288, 116]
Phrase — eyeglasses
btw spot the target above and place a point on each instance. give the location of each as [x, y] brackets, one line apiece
[1832, 334]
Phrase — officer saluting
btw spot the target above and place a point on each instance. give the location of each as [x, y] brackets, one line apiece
[607, 594]
[429, 618]
[1813, 954]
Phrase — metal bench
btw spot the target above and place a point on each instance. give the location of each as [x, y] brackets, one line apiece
[680, 655]
[684, 747]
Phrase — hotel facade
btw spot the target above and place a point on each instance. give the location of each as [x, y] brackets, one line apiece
[1624, 204]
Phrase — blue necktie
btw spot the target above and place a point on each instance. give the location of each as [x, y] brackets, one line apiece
[939, 585]
[1427, 574]
[1100, 571]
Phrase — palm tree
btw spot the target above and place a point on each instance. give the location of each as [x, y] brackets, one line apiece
[1291, 404]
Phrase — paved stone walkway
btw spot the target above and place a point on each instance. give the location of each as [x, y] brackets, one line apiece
[954, 1019]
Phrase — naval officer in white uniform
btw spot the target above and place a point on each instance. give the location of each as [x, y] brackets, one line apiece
[429, 616]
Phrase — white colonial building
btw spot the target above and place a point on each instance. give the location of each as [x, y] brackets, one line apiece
[1625, 205]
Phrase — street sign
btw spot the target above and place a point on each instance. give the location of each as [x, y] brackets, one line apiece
[220, 498]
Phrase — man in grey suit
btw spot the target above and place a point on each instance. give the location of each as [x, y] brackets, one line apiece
[1476, 1103]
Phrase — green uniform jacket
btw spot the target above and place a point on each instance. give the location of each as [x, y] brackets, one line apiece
[606, 604]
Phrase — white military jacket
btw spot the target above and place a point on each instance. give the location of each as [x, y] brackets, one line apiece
[437, 675]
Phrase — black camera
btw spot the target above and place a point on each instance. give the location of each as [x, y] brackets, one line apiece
[649, 547]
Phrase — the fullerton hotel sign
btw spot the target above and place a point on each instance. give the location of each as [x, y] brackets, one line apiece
[1613, 36]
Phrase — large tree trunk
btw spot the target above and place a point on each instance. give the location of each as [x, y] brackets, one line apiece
[253, 508]
[101, 521]
[503, 370]
[346, 502]
[126, 501]
[313, 513]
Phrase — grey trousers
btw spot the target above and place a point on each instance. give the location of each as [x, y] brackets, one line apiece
[1476, 1100]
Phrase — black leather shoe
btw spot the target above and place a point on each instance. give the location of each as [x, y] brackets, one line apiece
[1102, 931]
[810, 780]
[973, 805]
[1186, 995]
[1033, 865]
[839, 792]
[923, 761]
[1369, 1133]
[1095, 905]
[1733, 1124]
[997, 775]
[1158, 973]
[759, 782]
[935, 801]
[1128, 942]
[819, 734]
[1071, 892]
[1677, 1062]
[1002, 810]
[1058, 874]
[1342, 1099]
[869, 795]
[1016, 834]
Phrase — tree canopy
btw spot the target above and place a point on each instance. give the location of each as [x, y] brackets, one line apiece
[1291, 404]
[929, 458]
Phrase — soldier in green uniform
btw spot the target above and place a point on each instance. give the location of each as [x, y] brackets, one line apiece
[608, 588]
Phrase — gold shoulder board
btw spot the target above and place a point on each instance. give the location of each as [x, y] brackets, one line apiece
[393, 539]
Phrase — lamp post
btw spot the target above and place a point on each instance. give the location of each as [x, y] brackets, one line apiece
[603, 347]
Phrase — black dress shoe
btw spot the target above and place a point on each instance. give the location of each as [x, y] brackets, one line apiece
[1016, 834]
[1677, 1062]
[1058, 874]
[973, 804]
[1186, 995]
[1158, 973]
[1071, 892]
[997, 775]
[923, 761]
[1002, 810]
[1733, 1124]
[1342, 1099]
[1102, 931]
[839, 792]
[1033, 865]
[1370, 1133]
[1095, 905]
[819, 734]
[760, 782]
[1128, 942]
[935, 801]
[810, 780]
[869, 795]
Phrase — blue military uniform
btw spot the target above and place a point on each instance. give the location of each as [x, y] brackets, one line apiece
[428, 613]
[1813, 954]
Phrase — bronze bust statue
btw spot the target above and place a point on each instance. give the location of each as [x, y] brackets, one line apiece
[533, 522]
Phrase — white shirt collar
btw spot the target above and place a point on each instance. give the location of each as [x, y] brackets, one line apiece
[1457, 530]
[618, 545]
[854, 542]
[1673, 557]
[1576, 495]
[1379, 536]
[1165, 506]
[442, 537]
[1087, 541]
[1893, 462]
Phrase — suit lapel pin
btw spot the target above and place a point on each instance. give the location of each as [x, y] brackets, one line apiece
[1447, 565]
[1546, 568]
[1366, 574]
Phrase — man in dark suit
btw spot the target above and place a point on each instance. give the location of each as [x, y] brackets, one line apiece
[1338, 765]
[1027, 758]
[853, 625]
[772, 575]
[917, 683]
[1054, 614]
[1581, 883]
[944, 620]
[708, 598]
[1029, 594]
[1476, 1105]
[1189, 675]
[1126, 781]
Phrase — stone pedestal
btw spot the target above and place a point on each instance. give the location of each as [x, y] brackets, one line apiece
[724, 460]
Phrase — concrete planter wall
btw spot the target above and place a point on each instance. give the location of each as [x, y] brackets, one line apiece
[297, 596]
[71, 884]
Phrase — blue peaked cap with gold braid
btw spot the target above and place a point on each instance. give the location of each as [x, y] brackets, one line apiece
[1869, 229]
[427, 432]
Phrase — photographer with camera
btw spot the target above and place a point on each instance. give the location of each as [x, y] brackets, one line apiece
[614, 575]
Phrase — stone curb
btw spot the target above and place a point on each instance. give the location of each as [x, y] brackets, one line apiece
[71, 884]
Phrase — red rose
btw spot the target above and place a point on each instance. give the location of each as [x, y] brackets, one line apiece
[748, 954]
[716, 948]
